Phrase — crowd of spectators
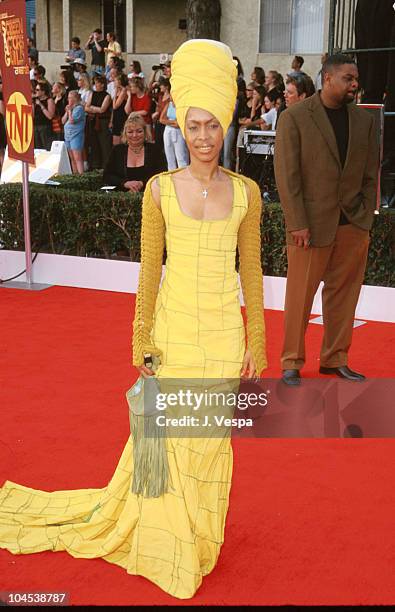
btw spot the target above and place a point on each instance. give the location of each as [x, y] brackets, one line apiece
[114, 118]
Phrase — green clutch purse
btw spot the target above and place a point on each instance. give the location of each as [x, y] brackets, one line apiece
[150, 461]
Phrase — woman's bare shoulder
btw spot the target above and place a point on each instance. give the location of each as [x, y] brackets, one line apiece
[155, 191]
[154, 185]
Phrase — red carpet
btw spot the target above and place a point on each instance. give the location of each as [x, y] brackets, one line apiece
[310, 521]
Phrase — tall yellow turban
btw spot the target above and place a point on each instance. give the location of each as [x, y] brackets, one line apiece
[203, 75]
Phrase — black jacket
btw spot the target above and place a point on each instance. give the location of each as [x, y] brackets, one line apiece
[115, 171]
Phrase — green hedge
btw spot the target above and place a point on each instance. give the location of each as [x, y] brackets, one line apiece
[89, 181]
[76, 218]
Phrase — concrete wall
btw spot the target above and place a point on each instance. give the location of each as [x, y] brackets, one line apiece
[55, 17]
[42, 24]
[85, 17]
[156, 25]
[240, 30]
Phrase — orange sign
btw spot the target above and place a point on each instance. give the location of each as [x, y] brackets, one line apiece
[16, 80]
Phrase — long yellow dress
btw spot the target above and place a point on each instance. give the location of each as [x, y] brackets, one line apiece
[173, 540]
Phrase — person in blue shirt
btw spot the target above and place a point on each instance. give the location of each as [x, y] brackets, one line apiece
[74, 130]
[75, 51]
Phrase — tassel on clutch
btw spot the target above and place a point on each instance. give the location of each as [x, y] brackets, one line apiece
[151, 466]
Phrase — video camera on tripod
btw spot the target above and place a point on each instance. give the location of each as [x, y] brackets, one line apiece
[258, 161]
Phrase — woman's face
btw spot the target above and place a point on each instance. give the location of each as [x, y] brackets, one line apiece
[112, 75]
[80, 83]
[253, 75]
[291, 95]
[135, 135]
[249, 93]
[55, 89]
[71, 99]
[268, 103]
[256, 97]
[269, 79]
[99, 85]
[62, 79]
[133, 88]
[203, 134]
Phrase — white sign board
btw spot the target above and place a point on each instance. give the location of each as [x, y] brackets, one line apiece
[48, 163]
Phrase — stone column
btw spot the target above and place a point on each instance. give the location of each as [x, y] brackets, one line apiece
[66, 24]
[129, 26]
[42, 25]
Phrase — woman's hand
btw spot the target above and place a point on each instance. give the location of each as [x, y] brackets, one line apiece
[248, 365]
[133, 185]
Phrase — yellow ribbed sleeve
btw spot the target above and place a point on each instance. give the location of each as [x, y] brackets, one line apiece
[152, 247]
[251, 277]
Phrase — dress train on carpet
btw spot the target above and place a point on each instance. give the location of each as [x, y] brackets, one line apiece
[173, 540]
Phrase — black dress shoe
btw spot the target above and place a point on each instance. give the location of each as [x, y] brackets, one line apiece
[343, 372]
[291, 377]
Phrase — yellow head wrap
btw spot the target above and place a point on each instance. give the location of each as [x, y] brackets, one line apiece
[203, 75]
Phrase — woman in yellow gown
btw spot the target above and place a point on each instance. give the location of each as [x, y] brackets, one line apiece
[193, 324]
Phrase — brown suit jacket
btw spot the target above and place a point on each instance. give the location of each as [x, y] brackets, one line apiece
[311, 183]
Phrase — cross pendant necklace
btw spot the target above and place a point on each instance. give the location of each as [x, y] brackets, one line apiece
[204, 191]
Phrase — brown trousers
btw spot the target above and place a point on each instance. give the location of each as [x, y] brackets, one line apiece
[341, 266]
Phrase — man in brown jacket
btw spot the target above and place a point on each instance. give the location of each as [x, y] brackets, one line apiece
[326, 165]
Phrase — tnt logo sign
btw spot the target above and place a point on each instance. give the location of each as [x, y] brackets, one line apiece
[19, 122]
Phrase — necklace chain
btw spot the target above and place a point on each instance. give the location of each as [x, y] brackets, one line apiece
[204, 189]
[136, 151]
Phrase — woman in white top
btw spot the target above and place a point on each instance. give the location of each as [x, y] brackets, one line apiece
[136, 71]
[271, 102]
[84, 87]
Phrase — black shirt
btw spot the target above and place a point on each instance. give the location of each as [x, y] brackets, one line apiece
[338, 118]
[98, 57]
[117, 172]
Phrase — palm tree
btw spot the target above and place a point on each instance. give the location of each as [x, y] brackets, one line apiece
[203, 19]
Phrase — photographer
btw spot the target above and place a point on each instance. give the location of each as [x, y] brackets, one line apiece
[97, 44]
